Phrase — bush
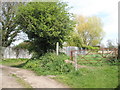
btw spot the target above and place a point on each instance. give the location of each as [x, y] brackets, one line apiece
[34, 56]
[50, 63]
[90, 47]
[112, 61]
[23, 45]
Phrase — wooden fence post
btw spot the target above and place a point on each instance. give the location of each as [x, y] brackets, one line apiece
[102, 52]
[75, 60]
[71, 55]
[57, 48]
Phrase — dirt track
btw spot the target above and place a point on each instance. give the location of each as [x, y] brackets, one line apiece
[28, 76]
[6, 79]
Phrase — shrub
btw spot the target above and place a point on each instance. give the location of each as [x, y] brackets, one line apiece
[90, 47]
[112, 60]
[23, 45]
[50, 63]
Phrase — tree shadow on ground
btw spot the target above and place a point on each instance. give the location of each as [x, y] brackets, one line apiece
[20, 65]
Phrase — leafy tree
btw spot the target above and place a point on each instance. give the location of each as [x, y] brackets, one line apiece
[9, 28]
[23, 45]
[45, 23]
[89, 29]
[74, 40]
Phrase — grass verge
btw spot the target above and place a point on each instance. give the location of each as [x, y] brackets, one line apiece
[22, 82]
[13, 62]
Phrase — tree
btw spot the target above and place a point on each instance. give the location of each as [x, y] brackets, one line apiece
[110, 44]
[9, 28]
[89, 29]
[23, 45]
[45, 23]
[74, 40]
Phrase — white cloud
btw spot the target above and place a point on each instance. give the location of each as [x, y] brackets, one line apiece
[107, 10]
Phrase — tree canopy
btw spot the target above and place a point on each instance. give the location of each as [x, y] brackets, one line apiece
[90, 30]
[45, 23]
[74, 39]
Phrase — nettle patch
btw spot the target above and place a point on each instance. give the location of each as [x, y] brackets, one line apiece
[50, 63]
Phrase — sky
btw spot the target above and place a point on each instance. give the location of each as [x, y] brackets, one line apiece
[107, 10]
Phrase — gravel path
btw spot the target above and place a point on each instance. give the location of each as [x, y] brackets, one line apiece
[28, 76]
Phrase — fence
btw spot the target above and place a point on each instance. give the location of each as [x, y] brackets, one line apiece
[9, 52]
[67, 50]
[93, 56]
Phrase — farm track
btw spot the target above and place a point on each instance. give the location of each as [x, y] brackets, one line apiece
[28, 76]
[6, 79]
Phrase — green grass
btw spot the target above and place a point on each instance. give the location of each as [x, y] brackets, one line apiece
[13, 62]
[22, 82]
[98, 77]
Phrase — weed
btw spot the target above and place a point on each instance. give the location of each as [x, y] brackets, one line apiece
[50, 63]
